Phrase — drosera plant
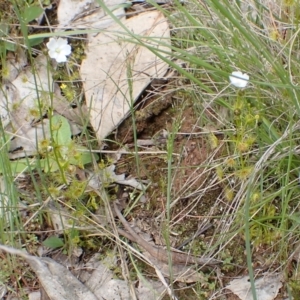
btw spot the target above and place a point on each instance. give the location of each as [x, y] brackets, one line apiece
[58, 154]
[58, 151]
[63, 148]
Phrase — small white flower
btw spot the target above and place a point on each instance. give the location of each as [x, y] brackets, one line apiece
[239, 79]
[58, 49]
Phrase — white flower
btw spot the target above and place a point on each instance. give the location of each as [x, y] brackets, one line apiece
[58, 49]
[239, 79]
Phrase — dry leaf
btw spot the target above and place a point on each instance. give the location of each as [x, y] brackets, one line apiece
[34, 295]
[101, 281]
[28, 141]
[108, 175]
[3, 290]
[180, 273]
[68, 10]
[87, 13]
[116, 71]
[57, 281]
[33, 90]
[78, 115]
[267, 287]
[15, 64]
[26, 95]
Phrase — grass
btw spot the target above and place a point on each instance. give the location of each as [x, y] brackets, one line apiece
[252, 135]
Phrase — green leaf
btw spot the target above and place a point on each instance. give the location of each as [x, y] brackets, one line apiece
[10, 46]
[87, 157]
[61, 130]
[32, 12]
[53, 242]
[20, 166]
[35, 42]
[3, 30]
[84, 157]
[295, 217]
[49, 165]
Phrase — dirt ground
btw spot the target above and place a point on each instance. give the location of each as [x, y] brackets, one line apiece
[154, 116]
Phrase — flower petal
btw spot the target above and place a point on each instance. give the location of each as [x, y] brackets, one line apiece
[61, 42]
[58, 49]
[65, 49]
[239, 79]
[61, 58]
[51, 44]
[52, 53]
